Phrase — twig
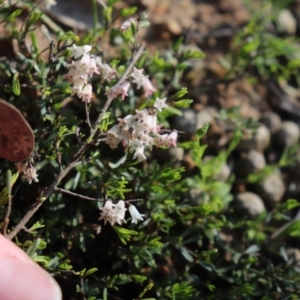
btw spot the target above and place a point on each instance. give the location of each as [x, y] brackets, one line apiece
[57, 189]
[63, 173]
[43, 197]
[58, 156]
[87, 113]
[8, 211]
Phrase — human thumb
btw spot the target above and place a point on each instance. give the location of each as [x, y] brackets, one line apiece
[22, 278]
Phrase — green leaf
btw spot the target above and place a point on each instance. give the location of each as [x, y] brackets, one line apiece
[13, 15]
[180, 93]
[90, 272]
[34, 16]
[124, 234]
[128, 11]
[184, 103]
[193, 54]
[207, 266]
[16, 84]
[202, 131]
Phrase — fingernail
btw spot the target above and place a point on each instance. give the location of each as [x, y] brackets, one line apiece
[21, 280]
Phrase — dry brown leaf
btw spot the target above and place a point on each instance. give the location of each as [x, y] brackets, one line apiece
[16, 135]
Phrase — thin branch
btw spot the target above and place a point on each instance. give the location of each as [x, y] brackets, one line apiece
[58, 155]
[57, 189]
[87, 114]
[7, 214]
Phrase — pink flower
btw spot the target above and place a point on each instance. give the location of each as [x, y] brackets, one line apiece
[148, 87]
[172, 138]
[142, 81]
[93, 67]
[118, 89]
[87, 93]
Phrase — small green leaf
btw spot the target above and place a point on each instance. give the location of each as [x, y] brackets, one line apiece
[13, 15]
[181, 93]
[185, 103]
[16, 84]
[202, 131]
[128, 11]
[90, 272]
[124, 234]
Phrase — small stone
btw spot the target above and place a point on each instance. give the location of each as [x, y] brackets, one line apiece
[166, 155]
[224, 172]
[286, 22]
[249, 203]
[196, 196]
[250, 162]
[271, 189]
[288, 135]
[187, 122]
[272, 121]
[257, 139]
[205, 116]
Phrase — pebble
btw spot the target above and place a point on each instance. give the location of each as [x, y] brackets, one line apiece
[272, 121]
[195, 196]
[249, 203]
[166, 155]
[224, 172]
[205, 116]
[286, 22]
[288, 135]
[187, 122]
[271, 189]
[257, 139]
[250, 162]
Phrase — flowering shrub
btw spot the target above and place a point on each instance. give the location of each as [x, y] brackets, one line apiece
[101, 105]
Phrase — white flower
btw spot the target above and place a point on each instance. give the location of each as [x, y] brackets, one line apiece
[135, 215]
[87, 93]
[138, 76]
[78, 51]
[142, 81]
[160, 103]
[118, 89]
[50, 3]
[93, 67]
[113, 213]
[124, 26]
[107, 212]
[106, 70]
[28, 170]
[119, 212]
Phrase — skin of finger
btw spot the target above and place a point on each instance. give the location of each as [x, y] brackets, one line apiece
[30, 275]
[9, 250]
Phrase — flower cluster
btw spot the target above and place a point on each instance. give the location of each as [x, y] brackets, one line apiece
[115, 213]
[139, 131]
[79, 70]
[27, 168]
